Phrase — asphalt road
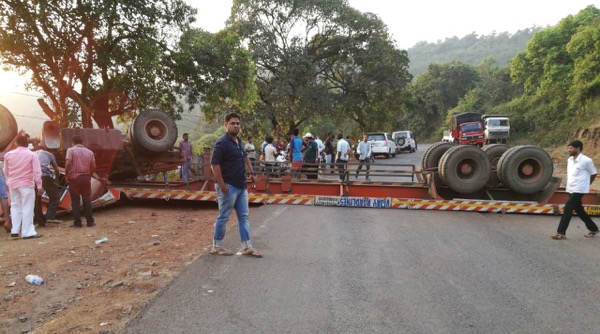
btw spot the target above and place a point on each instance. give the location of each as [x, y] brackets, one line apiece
[351, 270]
[340, 270]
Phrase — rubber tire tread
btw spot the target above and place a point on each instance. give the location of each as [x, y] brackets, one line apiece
[494, 152]
[142, 142]
[431, 158]
[450, 161]
[508, 168]
[8, 127]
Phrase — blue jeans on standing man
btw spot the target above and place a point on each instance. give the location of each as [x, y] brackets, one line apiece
[186, 170]
[235, 199]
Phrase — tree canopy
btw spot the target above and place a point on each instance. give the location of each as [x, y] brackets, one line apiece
[94, 60]
[319, 60]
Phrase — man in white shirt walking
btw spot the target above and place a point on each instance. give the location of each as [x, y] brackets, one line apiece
[364, 149]
[343, 155]
[581, 172]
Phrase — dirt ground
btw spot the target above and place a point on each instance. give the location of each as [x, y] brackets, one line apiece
[98, 288]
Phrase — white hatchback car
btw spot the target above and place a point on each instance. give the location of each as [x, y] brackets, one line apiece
[382, 143]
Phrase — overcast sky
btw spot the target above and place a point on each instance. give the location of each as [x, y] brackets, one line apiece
[434, 20]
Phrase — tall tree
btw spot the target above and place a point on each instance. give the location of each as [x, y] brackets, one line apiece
[94, 60]
[440, 88]
[318, 59]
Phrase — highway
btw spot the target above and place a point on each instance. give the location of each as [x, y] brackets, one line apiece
[352, 270]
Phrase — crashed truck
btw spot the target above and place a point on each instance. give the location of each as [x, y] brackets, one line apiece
[495, 178]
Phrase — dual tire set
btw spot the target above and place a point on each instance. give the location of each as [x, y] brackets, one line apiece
[468, 169]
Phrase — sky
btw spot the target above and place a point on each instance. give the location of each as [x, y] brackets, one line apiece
[434, 20]
[409, 22]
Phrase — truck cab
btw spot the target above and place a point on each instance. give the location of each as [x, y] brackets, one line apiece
[496, 129]
[467, 129]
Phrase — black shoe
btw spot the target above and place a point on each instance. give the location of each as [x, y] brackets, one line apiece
[14, 235]
[91, 224]
[33, 236]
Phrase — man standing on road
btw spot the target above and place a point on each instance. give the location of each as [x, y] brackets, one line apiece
[185, 148]
[329, 152]
[310, 157]
[343, 155]
[295, 155]
[250, 149]
[229, 163]
[23, 175]
[581, 172]
[50, 185]
[79, 168]
[364, 149]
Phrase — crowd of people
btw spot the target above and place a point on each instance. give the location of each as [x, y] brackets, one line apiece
[30, 171]
[305, 154]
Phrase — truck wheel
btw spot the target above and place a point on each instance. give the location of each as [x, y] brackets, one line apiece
[494, 152]
[465, 169]
[153, 131]
[8, 127]
[400, 141]
[432, 156]
[525, 169]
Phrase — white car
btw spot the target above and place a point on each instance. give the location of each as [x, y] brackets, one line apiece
[405, 140]
[382, 143]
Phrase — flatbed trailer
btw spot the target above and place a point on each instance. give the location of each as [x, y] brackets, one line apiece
[417, 192]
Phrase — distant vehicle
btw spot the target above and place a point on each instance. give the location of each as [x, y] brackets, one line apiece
[405, 140]
[496, 129]
[382, 143]
[467, 129]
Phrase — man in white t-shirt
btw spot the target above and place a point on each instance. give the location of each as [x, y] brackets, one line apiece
[343, 155]
[581, 172]
[250, 149]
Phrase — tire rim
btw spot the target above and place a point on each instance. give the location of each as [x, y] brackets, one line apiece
[156, 130]
[530, 170]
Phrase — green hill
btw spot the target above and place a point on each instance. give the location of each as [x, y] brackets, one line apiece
[470, 49]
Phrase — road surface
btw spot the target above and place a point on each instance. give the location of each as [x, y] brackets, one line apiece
[352, 270]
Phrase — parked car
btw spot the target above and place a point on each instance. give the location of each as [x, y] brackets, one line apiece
[382, 143]
[405, 140]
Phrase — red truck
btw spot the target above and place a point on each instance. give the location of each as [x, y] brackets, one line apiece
[467, 129]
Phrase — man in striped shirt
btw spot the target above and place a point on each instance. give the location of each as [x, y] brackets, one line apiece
[79, 168]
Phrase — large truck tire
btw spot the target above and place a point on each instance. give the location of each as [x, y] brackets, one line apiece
[465, 169]
[8, 127]
[153, 131]
[525, 169]
[494, 152]
[432, 156]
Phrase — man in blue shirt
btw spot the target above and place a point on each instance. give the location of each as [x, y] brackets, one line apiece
[296, 145]
[50, 185]
[229, 163]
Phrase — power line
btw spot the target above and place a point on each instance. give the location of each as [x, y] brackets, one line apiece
[26, 94]
[34, 117]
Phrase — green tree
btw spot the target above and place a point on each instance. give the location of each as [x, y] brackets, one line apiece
[557, 70]
[94, 60]
[318, 59]
[439, 90]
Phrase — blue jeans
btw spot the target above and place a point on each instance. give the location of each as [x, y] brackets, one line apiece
[186, 170]
[235, 199]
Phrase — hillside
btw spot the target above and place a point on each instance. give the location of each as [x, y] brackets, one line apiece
[471, 49]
